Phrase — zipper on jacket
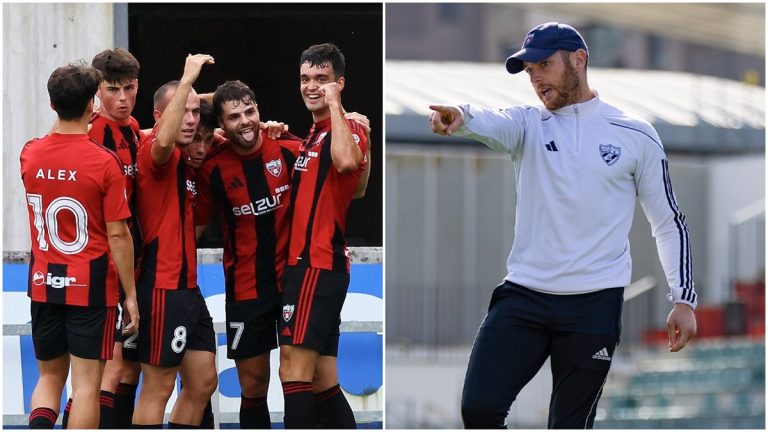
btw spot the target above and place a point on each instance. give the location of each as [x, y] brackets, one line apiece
[578, 129]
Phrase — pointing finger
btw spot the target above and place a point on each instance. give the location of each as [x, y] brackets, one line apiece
[439, 108]
[455, 124]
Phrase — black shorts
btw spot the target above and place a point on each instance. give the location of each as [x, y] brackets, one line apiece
[311, 312]
[85, 332]
[251, 327]
[172, 322]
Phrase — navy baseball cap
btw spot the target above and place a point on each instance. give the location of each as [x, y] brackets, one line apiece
[543, 41]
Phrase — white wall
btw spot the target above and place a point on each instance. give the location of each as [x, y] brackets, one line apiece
[424, 390]
[734, 182]
[38, 38]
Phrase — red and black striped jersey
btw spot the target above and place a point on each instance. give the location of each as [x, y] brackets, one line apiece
[250, 194]
[320, 200]
[164, 209]
[73, 188]
[123, 139]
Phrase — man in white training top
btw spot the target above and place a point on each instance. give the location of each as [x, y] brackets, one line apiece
[579, 166]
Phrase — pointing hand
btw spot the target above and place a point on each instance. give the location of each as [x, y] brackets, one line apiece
[445, 119]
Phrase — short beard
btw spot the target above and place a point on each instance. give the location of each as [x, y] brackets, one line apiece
[245, 145]
[567, 89]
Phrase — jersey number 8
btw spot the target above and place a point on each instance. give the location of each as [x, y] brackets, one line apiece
[179, 340]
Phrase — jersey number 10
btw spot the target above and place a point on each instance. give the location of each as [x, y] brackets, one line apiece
[59, 204]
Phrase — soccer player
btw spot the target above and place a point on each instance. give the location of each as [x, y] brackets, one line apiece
[326, 174]
[580, 165]
[251, 163]
[76, 198]
[179, 334]
[205, 138]
[246, 181]
[115, 128]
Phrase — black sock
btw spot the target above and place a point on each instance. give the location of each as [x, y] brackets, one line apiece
[208, 422]
[106, 409]
[150, 426]
[122, 414]
[299, 405]
[254, 413]
[333, 410]
[65, 417]
[42, 418]
[172, 425]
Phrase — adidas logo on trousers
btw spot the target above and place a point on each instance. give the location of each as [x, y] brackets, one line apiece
[602, 355]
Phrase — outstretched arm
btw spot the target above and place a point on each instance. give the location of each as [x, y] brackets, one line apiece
[445, 119]
[500, 129]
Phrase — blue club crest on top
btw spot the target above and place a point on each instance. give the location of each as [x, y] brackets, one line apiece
[610, 153]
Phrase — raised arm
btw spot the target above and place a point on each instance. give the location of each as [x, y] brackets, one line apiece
[208, 97]
[362, 185]
[170, 121]
[365, 123]
[345, 153]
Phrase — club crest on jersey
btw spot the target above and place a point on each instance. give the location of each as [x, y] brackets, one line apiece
[610, 153]
[288, 312]
[275, 167]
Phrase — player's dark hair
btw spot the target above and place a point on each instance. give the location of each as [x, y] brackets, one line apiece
[318, 54]
[117, 65]
[71, 87]
[160, 93]
[232, 91]
[208, 118]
